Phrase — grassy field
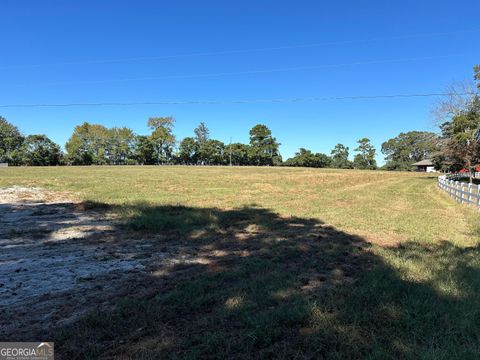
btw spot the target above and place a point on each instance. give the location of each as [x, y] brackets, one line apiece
[302, 263]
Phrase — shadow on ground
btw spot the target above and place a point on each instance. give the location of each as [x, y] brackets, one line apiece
[247, 283]
[264, 286]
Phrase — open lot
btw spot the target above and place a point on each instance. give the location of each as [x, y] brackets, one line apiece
[149, 262]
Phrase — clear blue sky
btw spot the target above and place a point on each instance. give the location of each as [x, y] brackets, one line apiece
[125, 51]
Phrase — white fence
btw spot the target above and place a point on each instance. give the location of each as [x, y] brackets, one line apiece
[476, 175]
[463, 192]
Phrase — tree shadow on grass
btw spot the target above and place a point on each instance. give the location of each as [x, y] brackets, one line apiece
[429, 177]
[265, 286]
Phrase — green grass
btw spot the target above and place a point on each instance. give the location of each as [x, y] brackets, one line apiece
[314, 264]
[382, 206]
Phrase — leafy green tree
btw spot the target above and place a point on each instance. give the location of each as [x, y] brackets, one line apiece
[79, 150]
[240, 153]
[162, 137]
[203, 153]
[322, 160]
[121, 146]
[339, 157]
[144, 152]
[89, 144]
[99, 142]
[212, 152]
[443, 162]
[365, 159]
[10, 142]
[202, 134]
[188, 151]
[305, 158]
[263, 147]
[407, 148]
[39, 150]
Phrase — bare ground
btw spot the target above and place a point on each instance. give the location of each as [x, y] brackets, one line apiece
[59, 260]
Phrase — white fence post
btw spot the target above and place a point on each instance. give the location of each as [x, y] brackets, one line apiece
[478, 195]
[460, 191]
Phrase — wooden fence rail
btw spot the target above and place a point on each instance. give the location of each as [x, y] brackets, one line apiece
[463, 192]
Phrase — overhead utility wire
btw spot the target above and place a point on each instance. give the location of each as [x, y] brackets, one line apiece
[249, 72]
[245, 101]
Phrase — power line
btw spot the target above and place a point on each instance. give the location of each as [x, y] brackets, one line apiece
[238, 51]
[253, 72]
[240, 101]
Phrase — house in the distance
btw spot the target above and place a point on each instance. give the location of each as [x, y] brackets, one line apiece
[3, 164]
[425, 166]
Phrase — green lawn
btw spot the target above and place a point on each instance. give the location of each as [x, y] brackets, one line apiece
[300, 263]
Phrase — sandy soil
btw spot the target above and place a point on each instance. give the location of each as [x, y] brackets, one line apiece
[59, 260]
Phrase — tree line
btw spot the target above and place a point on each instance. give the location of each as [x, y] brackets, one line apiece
[94, 144]
[98, 145]
[456, 146]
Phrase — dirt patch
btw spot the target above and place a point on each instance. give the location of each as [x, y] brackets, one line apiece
[60, 259]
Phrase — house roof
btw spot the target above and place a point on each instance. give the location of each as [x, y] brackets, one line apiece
[423, 163]
[477, 169]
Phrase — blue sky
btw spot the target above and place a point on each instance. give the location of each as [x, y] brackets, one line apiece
[123, 51]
